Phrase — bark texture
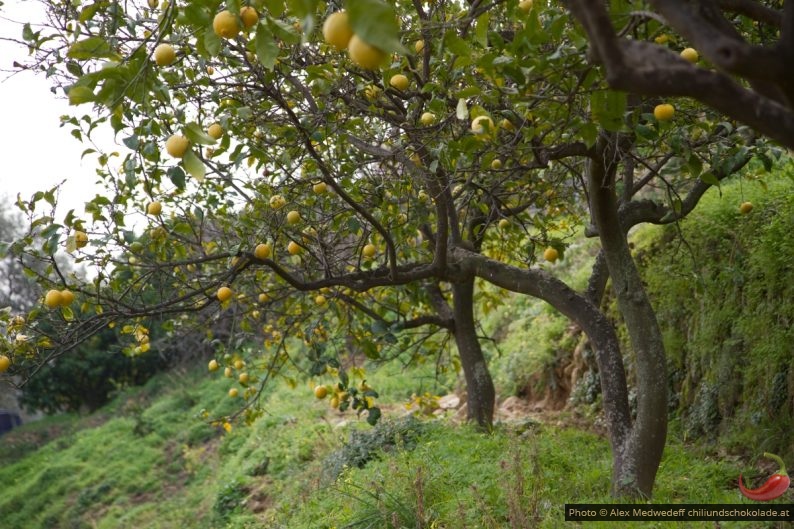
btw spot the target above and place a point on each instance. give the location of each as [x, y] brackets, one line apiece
[480, 394]
[636, 461]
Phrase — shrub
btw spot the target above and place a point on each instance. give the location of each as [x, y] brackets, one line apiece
[365, 445]
[87, 377]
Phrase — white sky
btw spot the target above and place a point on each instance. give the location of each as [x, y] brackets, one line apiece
[35, 152]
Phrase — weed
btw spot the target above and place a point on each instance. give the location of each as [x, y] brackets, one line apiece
[230, 498]
[366, 445]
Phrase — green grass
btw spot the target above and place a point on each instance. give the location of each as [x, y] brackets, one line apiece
[156, 464]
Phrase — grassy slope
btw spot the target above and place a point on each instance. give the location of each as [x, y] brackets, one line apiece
[155, 465]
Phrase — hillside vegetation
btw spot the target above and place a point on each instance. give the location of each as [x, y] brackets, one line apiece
[149, 461]
[722, 285]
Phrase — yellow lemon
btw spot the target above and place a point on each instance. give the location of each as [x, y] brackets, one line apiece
[177, 145]
[690, 54]
[80, 239]
[226, 25]
[664, 112]
[428, 118]
[481, 125]
[164, 54]
[215, 131]
[400, 82]
[249, 16]
[53, 299]
[262, 251]
[224, 294]
[337, 31]
[364, 54]
[67, 297]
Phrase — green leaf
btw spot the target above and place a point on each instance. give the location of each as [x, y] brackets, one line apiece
[89, 12]
[27, 32]
[608, 107]
[709, 178]
[197, 15]
[370, 351]
[376, 23]
[302, 8]
[274, 7]
[194, 166]
[196, 134]
[456, 45]
[766, 161]
[177, 176]
[80, 94]
[481, 29]
[283, 31]
[589, 133]
[74, 68]
[212, 42]
[646, 132]
[90, 48]
[131, 142]
[183, 228]
[469, 91]
[694, 165]
[266, 47]
[373, 415]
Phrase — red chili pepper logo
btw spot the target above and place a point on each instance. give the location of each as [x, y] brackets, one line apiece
[774, 487]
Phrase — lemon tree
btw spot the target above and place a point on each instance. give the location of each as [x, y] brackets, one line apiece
[331, 191]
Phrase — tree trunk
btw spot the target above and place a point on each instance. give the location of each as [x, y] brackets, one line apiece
[481, 396]
[637, 460]
[542, 285]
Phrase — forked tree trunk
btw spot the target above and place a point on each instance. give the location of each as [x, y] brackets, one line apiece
[637, 459]
[481, 396]
[632, 471]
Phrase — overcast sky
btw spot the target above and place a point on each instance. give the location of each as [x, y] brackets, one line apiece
[35, 152]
